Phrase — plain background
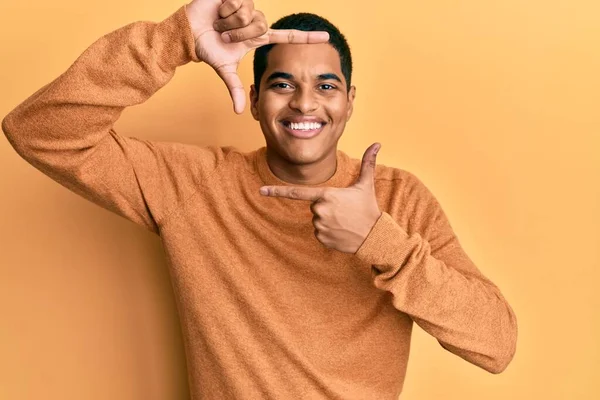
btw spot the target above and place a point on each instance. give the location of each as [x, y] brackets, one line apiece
[493, 105]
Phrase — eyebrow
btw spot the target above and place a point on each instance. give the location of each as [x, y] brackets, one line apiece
[285, 75]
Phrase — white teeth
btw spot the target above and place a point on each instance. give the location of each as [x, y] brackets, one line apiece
[305, 126]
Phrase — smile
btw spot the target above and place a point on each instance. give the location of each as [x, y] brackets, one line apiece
[303, 130]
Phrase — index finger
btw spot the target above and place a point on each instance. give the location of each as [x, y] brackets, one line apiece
[296, 36]
[295, 193]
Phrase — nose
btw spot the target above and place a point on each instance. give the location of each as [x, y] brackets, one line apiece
[304, 101]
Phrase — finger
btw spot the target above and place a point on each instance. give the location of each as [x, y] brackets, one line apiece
[367, 168]
[257, 28]
[297, 36]
[290, 36]
[230, 6]
[295, 193]
[239, 19]
[228, 74]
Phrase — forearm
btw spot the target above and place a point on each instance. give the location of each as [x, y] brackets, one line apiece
[67, 117]
[449, 299]
[65, 129]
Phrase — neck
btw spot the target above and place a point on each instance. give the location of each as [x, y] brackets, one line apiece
[302, 170]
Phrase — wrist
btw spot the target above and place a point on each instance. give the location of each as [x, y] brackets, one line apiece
[193, 28]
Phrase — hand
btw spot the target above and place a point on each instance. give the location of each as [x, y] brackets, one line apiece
[343, 217]
[225, 30]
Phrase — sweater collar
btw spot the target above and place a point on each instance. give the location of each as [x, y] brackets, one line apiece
[341, 178]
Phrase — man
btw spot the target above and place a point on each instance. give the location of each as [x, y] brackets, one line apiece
[307, 291]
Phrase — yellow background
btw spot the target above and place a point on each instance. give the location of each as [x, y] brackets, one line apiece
[494, 105]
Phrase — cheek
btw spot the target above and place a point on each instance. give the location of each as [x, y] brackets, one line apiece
[268, 110]
[270, 107]
[273, 102]
[338, 110]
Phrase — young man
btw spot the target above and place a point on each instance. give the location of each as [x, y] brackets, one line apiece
[308, 291]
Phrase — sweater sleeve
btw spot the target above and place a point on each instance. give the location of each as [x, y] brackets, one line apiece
[433, 280]
[65, 129]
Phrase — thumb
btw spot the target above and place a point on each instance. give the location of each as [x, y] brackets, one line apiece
[228, 74]
[367, 168]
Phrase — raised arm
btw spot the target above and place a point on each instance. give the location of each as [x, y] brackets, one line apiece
[65, 129]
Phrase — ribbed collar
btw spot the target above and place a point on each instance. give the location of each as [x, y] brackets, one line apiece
[341, 178]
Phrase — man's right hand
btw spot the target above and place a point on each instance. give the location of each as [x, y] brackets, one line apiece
[225, 30]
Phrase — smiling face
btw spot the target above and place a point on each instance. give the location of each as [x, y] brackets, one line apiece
[303, 106]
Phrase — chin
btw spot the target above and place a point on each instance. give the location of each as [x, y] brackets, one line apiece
[307, 154]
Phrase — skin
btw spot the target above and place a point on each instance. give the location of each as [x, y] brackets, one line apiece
[302, 161]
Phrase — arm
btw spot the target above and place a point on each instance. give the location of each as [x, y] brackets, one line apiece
[65, 129]
[434, 281]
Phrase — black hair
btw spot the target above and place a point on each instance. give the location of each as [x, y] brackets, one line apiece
[306, 22]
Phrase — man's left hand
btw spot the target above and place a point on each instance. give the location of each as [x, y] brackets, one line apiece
[343, 217]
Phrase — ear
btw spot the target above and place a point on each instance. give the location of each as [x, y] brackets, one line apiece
[253, 102]
[351, 96]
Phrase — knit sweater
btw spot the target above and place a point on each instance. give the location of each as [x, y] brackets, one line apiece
[267, 311]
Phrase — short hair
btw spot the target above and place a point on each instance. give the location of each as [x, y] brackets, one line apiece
[306, 22]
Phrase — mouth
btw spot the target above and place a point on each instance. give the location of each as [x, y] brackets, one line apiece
[303, 129]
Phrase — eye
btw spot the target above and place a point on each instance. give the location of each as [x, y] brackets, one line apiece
[327, 86]
[281, 85]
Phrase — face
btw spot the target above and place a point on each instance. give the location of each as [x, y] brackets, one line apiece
[302, 92]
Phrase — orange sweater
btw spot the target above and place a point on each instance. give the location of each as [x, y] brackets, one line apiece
[267, 311]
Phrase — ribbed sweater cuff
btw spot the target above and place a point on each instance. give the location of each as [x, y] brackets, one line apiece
[387, 246]
[177, 41]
